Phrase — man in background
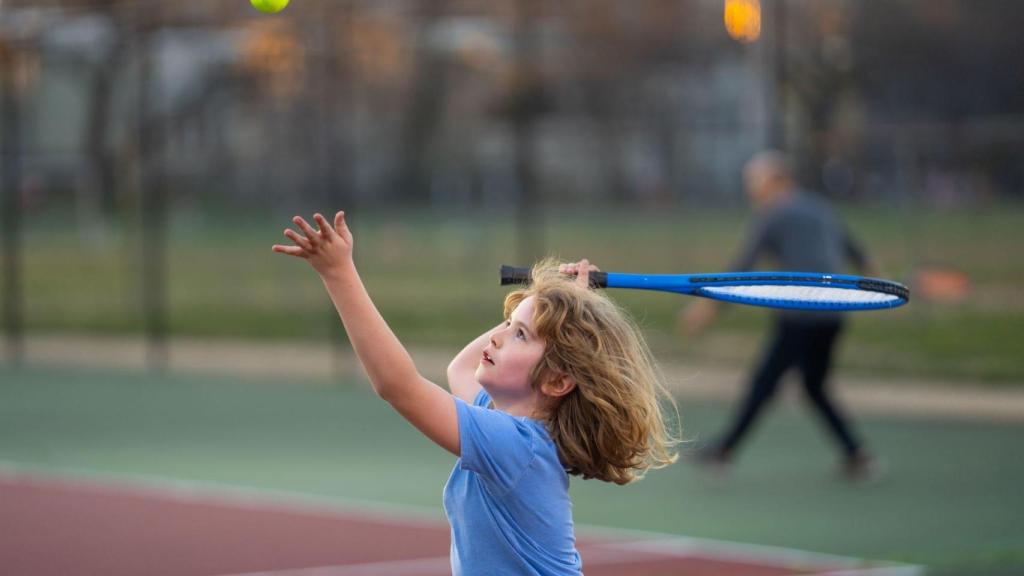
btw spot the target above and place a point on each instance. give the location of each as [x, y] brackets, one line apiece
[801, 232]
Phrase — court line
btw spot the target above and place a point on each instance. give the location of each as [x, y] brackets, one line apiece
[682, 550]
[217, 494]
[411, 567]
[905, 570]
[689, 547]
[260, 499]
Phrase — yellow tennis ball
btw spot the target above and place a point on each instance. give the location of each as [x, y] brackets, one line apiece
[269, 6]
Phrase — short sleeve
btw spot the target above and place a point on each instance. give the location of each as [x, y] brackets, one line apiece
[495, 445]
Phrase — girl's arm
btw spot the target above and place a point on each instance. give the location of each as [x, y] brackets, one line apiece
[462, 370]
[392, 373]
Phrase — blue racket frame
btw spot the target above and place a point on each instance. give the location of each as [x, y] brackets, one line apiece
[698, 285]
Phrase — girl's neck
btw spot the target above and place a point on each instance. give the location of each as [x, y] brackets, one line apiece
[528, 406]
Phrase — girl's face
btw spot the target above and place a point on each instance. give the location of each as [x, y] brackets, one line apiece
[508, 361]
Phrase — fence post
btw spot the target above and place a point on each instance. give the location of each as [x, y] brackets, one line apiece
[13, 314]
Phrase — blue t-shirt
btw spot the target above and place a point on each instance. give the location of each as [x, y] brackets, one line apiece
[507, 499]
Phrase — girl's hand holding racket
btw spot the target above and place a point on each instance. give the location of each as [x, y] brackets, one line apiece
[581, 270]
[328, 250]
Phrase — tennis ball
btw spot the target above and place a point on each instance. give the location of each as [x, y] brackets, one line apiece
[269, 6]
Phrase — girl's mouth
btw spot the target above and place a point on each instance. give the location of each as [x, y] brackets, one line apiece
[487, 358]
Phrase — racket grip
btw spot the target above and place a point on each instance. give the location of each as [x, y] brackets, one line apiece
[516, 275]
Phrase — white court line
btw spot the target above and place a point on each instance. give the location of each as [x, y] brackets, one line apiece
[257, 499]
[606, 554]
[687, 547]
[223, 495]
[903, 570]
[412, 567]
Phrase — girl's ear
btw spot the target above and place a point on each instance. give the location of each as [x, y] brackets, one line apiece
[558, 385]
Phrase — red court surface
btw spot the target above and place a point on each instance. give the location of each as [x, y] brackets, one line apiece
[52, 525]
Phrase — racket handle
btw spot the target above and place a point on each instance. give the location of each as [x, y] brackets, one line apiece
[515, 275]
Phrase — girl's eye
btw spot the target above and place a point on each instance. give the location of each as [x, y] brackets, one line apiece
[520, 334]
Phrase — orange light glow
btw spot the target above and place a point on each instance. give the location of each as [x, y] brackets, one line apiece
[743, 20]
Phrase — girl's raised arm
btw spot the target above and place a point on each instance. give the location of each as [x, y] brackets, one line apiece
[462, 371]
[392, 373]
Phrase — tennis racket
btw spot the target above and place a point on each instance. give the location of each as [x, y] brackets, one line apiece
[790, 290]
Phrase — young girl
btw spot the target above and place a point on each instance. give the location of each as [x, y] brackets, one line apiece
[565, 385]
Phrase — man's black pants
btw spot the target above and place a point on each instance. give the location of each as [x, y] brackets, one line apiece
[807, 346]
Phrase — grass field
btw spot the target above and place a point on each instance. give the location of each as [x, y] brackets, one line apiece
[434, 276]
[951, 499]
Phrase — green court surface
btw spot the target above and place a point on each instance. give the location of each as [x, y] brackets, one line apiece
[951, 499]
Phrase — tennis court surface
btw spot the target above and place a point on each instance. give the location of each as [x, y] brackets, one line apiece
[81, 524]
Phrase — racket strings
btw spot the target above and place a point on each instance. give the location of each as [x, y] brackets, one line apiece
[808, 294]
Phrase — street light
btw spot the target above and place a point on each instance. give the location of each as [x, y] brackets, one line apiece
[743, 20]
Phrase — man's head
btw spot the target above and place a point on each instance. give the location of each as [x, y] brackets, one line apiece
[768, 179]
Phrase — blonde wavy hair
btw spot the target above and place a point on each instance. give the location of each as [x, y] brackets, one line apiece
[610, 426]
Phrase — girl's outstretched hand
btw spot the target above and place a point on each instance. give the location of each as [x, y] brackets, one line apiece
[328, 250]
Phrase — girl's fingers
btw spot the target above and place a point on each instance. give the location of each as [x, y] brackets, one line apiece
[289, 250]
[312, 235]
[297, 238]
[341, 227]
[583, 272]
[325, 228]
